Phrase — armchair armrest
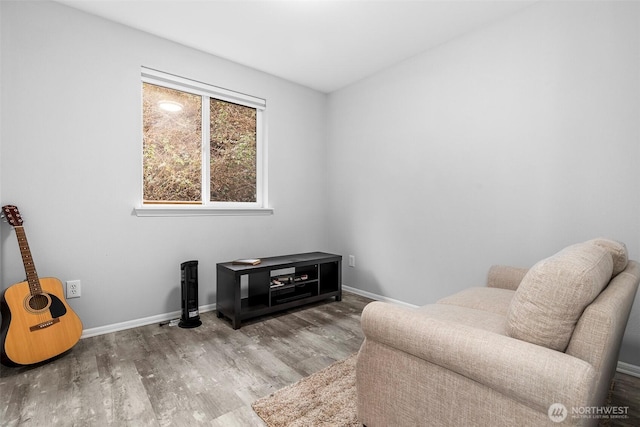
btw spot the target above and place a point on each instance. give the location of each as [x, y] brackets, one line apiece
[535, 376]
[505, 277]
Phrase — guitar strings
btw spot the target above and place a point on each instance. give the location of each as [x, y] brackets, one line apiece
[37, 306]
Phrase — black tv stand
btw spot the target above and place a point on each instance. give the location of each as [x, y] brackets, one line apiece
[276, 284]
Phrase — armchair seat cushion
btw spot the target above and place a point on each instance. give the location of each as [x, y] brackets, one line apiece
[493, 300]
[479, 319]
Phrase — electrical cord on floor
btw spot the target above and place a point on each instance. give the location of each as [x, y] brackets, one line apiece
[172, 322]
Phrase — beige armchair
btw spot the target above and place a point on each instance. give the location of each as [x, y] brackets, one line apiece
[533, 347]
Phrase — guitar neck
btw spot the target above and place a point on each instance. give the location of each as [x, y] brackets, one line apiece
[27, 261]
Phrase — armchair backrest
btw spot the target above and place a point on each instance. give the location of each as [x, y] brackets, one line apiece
[555, 292]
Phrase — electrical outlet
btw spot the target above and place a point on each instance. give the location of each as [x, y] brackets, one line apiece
[352, 260]
[73, 288]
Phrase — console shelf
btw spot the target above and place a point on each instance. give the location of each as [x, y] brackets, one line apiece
[276, 284]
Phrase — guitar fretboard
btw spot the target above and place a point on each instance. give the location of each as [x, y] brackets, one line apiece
[27, 261]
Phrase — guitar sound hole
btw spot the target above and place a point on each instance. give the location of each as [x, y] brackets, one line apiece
[37, 303]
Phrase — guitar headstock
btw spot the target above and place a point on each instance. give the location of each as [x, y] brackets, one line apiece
[12, 215]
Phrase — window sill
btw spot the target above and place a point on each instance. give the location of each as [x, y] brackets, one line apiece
[198, 211]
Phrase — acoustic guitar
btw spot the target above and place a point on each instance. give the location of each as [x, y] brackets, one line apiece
[37, 323]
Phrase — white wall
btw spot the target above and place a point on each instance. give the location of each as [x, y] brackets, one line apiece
[502, 146]
[71, 156]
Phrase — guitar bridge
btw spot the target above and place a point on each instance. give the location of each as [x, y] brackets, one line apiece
[44, 325]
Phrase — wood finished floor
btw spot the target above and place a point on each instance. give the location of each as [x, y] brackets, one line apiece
[169, 376]
[210, 375]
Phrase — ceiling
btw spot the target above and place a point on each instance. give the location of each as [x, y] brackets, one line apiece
[322, 44]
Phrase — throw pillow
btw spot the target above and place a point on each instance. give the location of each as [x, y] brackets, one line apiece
[618, 251]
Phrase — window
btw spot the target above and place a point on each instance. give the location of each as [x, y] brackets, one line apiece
[202, 147]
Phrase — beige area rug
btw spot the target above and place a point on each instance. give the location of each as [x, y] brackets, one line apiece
[326, 398]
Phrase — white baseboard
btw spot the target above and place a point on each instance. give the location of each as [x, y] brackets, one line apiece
[101, 330]
[629, 369]
[623, 367]
[376, 296]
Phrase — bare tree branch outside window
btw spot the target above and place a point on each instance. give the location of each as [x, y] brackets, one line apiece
[172, 148]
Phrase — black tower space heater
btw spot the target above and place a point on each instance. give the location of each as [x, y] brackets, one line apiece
[190, 314]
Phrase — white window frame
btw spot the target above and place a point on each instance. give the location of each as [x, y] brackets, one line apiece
[206, 91]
